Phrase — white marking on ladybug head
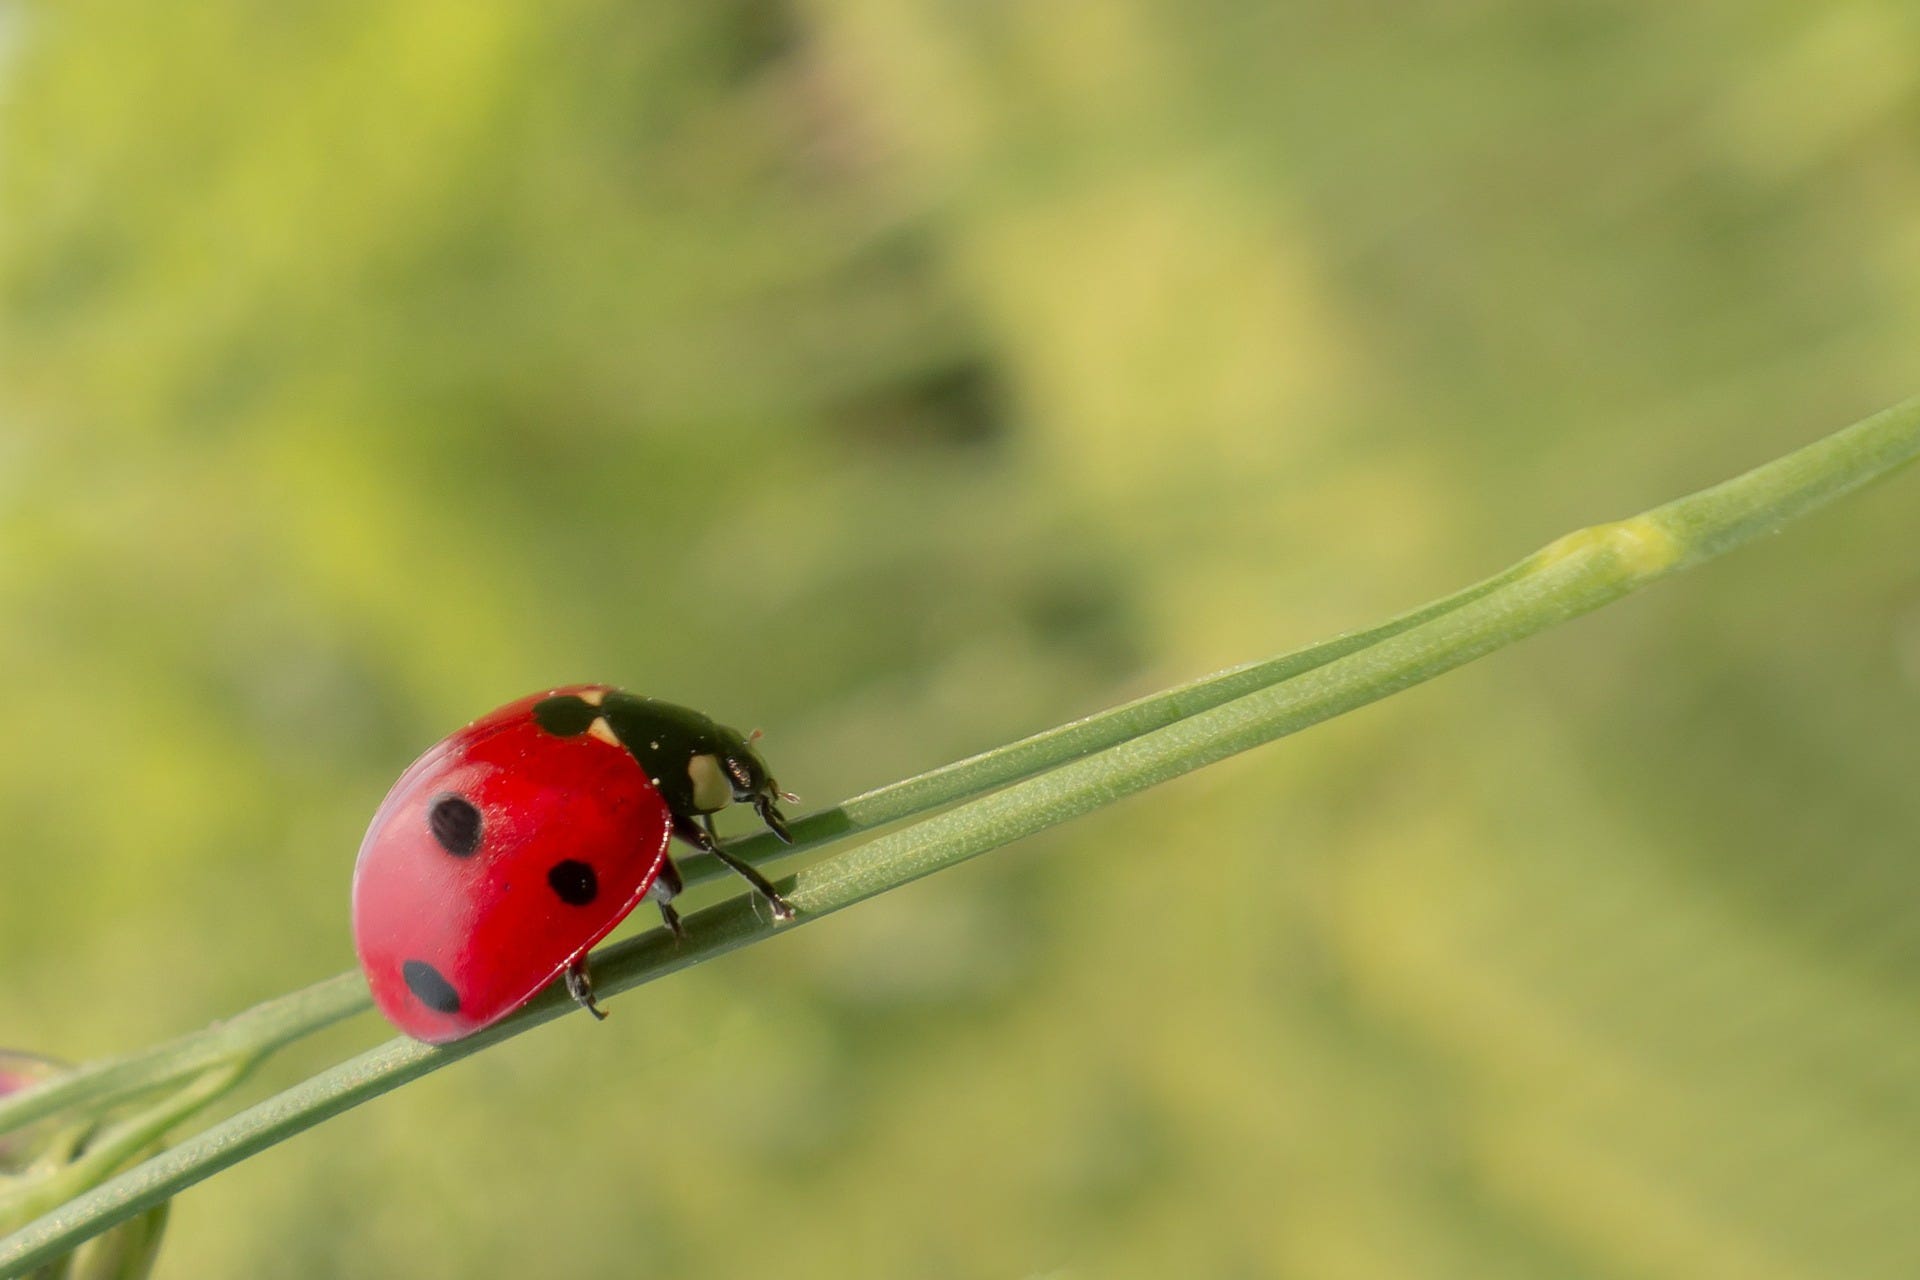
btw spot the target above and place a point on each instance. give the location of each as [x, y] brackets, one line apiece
[593, 697]
[711, 789]
[603, 731]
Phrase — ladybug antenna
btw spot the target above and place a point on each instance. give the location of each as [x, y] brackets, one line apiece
[756, 735]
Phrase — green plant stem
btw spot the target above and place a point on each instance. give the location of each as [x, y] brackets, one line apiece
[286, 1019]
[1572, 576]
[250, 1035]
[119, 1143]
[979, 774]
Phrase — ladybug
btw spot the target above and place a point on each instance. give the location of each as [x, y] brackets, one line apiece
[512, 846]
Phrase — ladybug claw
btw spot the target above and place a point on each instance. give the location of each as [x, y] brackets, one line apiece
[580, 987]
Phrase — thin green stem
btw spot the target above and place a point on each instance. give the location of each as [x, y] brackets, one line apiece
[278, 1022]
[119, 1143]
[979, 774]
[260, 1030]
[1572, 576]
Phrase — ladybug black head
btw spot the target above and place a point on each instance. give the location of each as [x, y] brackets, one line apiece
[752, 783]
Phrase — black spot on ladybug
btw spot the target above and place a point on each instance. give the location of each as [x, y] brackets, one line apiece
[574, 882]
[455, 823]
[429, 988]
[565, 715]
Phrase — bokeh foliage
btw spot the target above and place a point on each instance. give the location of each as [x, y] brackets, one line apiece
[905, 377]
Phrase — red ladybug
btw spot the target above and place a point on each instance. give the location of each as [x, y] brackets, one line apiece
[507, 850]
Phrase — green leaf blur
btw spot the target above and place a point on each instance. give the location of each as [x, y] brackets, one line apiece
[905, 378]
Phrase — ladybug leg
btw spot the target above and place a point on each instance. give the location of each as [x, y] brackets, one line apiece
[775, 820]
[580, 987]
[701, 836]
[782, 909]
[666, 887]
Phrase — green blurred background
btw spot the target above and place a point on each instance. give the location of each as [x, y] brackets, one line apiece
[904, 377]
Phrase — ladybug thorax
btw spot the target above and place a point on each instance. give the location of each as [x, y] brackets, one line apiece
[698, 765]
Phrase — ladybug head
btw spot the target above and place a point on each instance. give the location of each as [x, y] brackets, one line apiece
[753, 784]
